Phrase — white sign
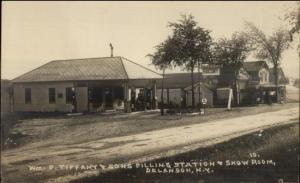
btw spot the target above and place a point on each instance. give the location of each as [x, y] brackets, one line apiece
[204, 101]
[229, 99]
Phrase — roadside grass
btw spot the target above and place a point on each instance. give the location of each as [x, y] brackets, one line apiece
[280, 144]
[292, 94]
[8, 139]
[32, 132]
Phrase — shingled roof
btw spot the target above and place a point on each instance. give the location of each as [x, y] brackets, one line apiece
[178, 80]
[183, 80]
[105, 68]
[254, 66]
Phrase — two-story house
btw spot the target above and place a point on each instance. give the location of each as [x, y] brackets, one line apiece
[258, 72]
[260, 86]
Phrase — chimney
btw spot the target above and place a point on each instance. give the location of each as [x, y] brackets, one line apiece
[111, 50]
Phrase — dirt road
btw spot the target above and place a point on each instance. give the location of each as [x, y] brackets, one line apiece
[144, 145]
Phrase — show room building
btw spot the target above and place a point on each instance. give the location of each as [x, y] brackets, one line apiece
[84, 85]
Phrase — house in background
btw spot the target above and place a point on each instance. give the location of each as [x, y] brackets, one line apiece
[80, 85]
[258, 71]
[261, 87]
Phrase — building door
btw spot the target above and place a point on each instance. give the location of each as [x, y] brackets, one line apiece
[108, 98]
[81, 99]
[71, 98]
[96, 99]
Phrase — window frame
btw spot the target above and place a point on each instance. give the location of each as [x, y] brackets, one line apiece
[27, 95]
[263, 76]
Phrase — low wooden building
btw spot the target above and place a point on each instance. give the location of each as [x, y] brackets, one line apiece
[237, 80]
[82, 85]
[177, 89]
[201, 91]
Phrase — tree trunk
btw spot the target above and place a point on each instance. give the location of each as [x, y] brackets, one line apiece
[276, 82]
[193, 91]
[199, 87]
[162, 94]
[235, 89]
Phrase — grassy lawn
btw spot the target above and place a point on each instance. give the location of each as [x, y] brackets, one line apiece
[279, 144]
[34, 132]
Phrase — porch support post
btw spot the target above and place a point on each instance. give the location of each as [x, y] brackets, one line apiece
[154, 96]
[168, 96]
[238, 93]
[127, 93]
[74, 102]
[112, 97]
[145, 99]
[103, 99]
[88, 96]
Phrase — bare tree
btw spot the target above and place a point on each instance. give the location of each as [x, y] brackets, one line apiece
[270, 48]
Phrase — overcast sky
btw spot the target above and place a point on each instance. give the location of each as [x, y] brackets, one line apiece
[34, 33]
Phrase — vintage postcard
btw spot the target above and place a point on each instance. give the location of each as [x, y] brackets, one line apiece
[150, 92]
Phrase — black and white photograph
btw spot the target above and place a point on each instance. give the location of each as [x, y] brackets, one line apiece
[150, 91]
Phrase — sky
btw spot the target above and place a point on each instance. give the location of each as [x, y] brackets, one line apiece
[34, 33]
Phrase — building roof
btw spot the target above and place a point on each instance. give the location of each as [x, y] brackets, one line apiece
[105, 68]
[229, 74]
[253, 66]
[183, 80]
[178, 80]
[202, 85]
